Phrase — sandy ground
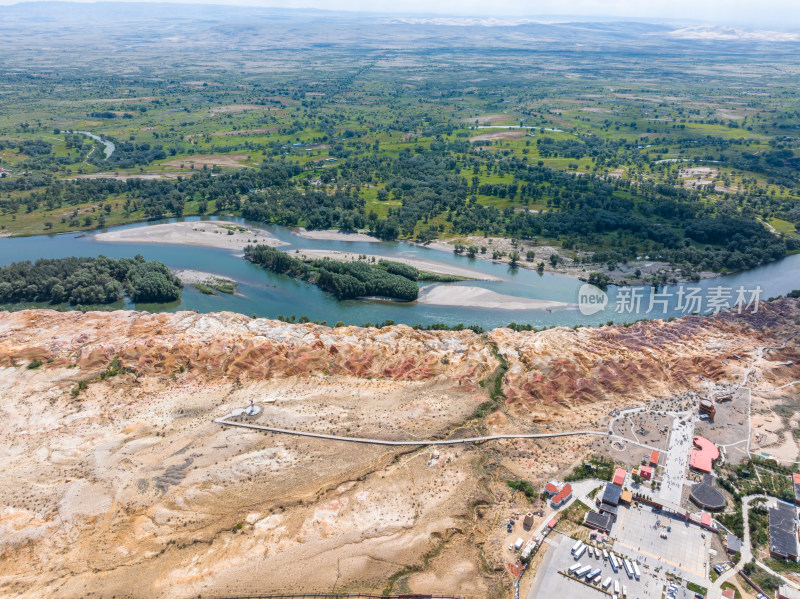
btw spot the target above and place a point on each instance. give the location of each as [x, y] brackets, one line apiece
[330, 235]
[771, 434]
[131, 484]
[477, 297]
[426, 265]
[488, 118]
[131, 99]
[240, 132]
[191, 277]
[203, 233]
[233, 108]
[201, 160]
[119, 177]
[498, 135]
[140, 488]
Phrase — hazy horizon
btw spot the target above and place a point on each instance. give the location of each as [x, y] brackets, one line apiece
[780, 14]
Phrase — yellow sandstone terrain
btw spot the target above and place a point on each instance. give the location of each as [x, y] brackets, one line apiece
[115, 480]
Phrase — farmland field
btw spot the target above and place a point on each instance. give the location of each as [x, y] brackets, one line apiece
[611, 145]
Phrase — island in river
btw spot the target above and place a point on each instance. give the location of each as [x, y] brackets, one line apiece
[219, 234]
[477, 297]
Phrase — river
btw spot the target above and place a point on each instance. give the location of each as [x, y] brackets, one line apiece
[269, 295]
[108, 146]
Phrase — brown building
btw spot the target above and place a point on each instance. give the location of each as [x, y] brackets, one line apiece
[707, 408]
[527, 523]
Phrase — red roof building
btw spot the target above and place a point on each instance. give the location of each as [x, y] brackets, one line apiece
[654, 458]
[646, 472]
[563, 495]
[550, 489]
[705, 519]
[619, 476]
[703, 455]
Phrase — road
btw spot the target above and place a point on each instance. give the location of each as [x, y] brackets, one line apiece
[792, 384]
[580, 492]
[715, 590]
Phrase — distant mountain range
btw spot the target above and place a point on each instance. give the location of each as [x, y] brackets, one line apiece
[127, 27]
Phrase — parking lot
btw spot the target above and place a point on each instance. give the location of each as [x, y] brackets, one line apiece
[684, 551]
[550, 583]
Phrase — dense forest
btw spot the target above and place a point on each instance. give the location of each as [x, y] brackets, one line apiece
[344, 280]
[583, 212]
[591, 159]
[87, 281]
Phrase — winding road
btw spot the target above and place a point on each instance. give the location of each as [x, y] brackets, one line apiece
[715, 590]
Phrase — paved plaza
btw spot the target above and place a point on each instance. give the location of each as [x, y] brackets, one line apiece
[685, 550]
[676, 460]
[550, 583]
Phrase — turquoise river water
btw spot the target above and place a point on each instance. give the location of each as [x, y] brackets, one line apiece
[269, 295]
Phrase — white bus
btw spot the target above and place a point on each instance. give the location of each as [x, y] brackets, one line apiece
[583, 571]
[628, 567]
[636, 572]
[612, 559]
[576, 546]
[616, 587]
[605, 554]
[590, 549]
[574, 568]
[606, 583]
[580, 552]
[624, 591]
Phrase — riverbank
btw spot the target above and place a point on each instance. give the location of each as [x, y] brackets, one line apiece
[438, 268]
[499, 249]
[331, 235]
[477, 297]
[217, 234]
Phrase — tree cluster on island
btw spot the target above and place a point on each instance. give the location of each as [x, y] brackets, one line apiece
[88, 281]
[344, 279]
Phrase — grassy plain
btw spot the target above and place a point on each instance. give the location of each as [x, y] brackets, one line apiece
[636, 114]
